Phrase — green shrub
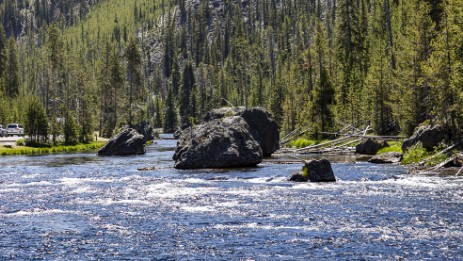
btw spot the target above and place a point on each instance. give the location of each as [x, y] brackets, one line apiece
[415, 155]
[302, 143]
[21, 142]
[394, 146]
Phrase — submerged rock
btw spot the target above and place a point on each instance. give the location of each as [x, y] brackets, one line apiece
[299, 177]
[370, 146]
[429, 136]
[386, 158]
[220, 143]
[127, 142]
[315, 171]
[262, 126]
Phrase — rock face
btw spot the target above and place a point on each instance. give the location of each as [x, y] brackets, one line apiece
[315, 171]
[219, 143]
[385, 158]
[370, 146]
[144, 129]
[429, 136]
[127, 142]
[262, 126]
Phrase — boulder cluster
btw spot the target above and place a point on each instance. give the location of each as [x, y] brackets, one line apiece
[229, 137]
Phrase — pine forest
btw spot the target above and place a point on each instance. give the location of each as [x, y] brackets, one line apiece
[74, 67]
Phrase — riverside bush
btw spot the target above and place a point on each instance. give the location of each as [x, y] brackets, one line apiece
[415, 155]
[302, 143]
[394, 146]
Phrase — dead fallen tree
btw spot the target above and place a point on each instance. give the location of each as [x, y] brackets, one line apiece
[423, 162]
[292, 135]
[366, 136]
[339, 144]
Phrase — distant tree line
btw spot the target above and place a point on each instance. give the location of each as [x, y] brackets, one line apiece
[98, 65]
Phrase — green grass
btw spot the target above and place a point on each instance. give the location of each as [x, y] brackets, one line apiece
[25, 150]
[302, 143]
[394, 146]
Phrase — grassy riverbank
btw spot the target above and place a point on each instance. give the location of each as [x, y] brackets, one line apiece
[26, 150]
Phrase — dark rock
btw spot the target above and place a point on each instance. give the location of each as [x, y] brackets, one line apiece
[127, 142]
[370, 146]
[429, 136]
[177, 134]
[319, 171]
[298, 177]
[456, 162]
[263, 127]
[385, 158]
[144, 129]
[221, 143]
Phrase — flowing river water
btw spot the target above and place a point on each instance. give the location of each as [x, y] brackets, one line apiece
[80, 206]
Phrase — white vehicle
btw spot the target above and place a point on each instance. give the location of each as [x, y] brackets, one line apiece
[15, 129]
[3, 131]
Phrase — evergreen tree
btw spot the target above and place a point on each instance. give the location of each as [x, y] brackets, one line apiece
[443, 69]
[36, 125]
[188, 83]
[170, 116]
[175, 77]
[3, 60]
[350, 53]
[158, 114]
[135, 88]
[71, 128]
[12, 70]
[413, 50]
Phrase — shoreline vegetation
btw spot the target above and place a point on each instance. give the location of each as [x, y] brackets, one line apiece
[40, 150]
[415, 156]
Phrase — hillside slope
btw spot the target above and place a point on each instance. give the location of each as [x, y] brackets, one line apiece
[388, 64]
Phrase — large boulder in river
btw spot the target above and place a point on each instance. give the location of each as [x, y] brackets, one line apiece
[370, 146]
[315, 171]
[220, 143]
[144, 129]
[261, 124]
[429, 136]
[127, 142]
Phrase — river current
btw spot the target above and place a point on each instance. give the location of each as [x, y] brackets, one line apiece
[80, 206]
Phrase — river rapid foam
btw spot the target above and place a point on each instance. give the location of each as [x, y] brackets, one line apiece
[80, 206]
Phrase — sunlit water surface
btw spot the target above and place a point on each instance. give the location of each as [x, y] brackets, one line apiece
[80, 206]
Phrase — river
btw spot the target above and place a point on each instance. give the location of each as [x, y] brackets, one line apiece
[80, 206]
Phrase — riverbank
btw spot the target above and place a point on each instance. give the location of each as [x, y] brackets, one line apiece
[26, 150]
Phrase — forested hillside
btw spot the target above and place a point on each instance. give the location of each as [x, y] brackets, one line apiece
[72, 67]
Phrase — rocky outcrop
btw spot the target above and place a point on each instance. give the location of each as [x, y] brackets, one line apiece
[262, 126]
[370, 146]
[429, 136]
[144, 129]
[386, 158]
[127, 142]
[219, 143]
[315, 171]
